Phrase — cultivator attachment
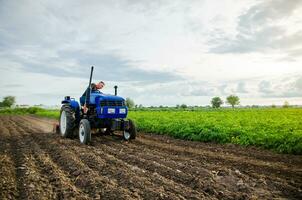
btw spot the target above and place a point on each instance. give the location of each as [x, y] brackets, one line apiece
[56, 128]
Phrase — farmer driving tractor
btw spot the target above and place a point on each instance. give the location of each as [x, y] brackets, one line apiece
[96, 112]
[94, 88]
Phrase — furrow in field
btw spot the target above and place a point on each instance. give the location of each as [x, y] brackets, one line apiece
[8, 180]
[146, 183]
[61, 185]
[218, 170]
[216, 157]
[147, 160]
[128, 176]
[80, 174]
[165, 166]
[27, 173]
[198, 178]
[254, 168]
[229, 149]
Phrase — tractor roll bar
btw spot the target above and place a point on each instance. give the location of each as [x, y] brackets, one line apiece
[89, 86]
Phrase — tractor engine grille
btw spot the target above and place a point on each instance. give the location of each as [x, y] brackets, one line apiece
[112, 103]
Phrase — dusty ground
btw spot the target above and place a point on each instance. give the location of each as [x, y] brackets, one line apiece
[38, 164]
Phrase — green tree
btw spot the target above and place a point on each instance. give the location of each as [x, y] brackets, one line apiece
[129, 103]
[8, 101]
[285, 104]
[233, 100]
[183, 106]
[216, 102]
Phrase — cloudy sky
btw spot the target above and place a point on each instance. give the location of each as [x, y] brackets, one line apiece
[158, 52]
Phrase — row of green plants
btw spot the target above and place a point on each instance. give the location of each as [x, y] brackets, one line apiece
[277, 129]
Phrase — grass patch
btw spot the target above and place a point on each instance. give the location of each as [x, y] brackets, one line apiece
[32, 110]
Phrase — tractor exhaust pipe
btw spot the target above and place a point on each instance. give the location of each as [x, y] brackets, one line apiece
[115, 90]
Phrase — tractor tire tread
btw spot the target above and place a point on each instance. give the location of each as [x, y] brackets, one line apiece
[70, 124]
[87, 131]
[132, 129]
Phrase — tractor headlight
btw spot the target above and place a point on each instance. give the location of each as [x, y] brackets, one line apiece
[123, 111]
[111, 110]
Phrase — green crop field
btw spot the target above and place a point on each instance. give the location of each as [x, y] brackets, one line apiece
[277, 129]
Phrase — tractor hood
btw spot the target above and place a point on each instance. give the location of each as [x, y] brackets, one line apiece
[96, 98]
[107, 97]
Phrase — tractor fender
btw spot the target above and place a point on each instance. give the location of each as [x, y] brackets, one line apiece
[74, 105]
[72, 102]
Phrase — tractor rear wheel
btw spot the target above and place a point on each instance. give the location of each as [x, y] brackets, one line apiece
[131, 132]
[67, 121]
[85, 131]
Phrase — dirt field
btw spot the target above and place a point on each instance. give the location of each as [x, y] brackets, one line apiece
[38, 164]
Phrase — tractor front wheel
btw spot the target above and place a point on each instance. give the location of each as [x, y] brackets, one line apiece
[84, 131]
[131, 132]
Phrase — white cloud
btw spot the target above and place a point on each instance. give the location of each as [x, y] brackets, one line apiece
[158, 52]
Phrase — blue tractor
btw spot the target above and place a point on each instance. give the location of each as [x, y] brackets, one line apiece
[106, 114]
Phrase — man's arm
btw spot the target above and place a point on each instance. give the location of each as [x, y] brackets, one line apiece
[93, 87]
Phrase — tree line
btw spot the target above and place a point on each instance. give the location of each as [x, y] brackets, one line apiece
[232, 100]
[8, 101]
[216, 102]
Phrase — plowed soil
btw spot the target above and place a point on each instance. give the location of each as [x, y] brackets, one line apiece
[38, 164]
